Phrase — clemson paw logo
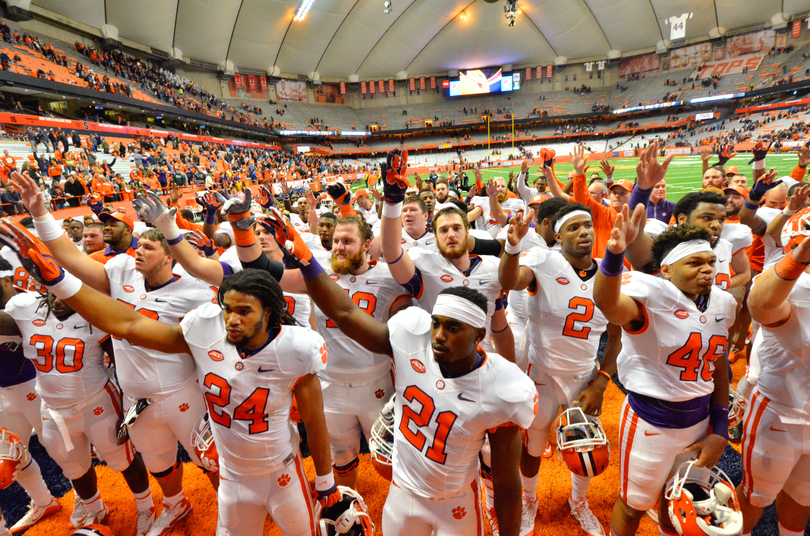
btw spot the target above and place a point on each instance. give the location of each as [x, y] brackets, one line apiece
[323, 353]
[379, 393]
[183, 407]
[283, 480]
[31, 396]
[98, 411]
[459, 512]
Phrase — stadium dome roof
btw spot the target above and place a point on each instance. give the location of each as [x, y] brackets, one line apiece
[340, 38]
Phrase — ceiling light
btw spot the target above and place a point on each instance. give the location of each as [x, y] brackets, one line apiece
[463, 15]
[387, 7]
[510, 12]
[303, 9]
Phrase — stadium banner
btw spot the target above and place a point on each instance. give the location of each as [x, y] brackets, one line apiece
[343, 88]
[796, 31]
[432, 82]
[539, 73]
[55, 122]
[690, 56]
[760, 42]
[640, 64]
[391, 86]
[252, 82]
[772, 106]
[372, 86]
[330, 94]
[291, 90]
[237, 81]
[528, 73]
[363, 87]
[549, 71]
[244, 91]
[263, 83]
[678, 150]
[413, 84]
[422, 83]
[737, 65]
[381, 88]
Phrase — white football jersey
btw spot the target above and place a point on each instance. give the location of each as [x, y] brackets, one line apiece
[723, 250]
[517, 303]
[66, 353]
[785, 356]
[426, 241]
[369, 215]
[438, 274]
[141, 372]
[483, 222]
[374, 291]
[565, 325]
[249, 396]
[441, 423]
[672, 356]
[300, 225]
[738, 234]
[773, 252]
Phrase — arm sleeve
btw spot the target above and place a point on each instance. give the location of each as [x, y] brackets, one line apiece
[798, 173]
[486, 247]
[262, 262]
[523, 189]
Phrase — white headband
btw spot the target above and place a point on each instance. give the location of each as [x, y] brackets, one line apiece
[460, 309]
[561, 221]
[7, 273]
[684, 249]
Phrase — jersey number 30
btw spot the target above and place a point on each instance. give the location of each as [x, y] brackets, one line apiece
[445, 420]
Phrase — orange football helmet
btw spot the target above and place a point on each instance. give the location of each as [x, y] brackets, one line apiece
[582, 442]
[202, 439]
[796, 229]
[348, 516]
[702, 501]
[13, 457]
[381, 443]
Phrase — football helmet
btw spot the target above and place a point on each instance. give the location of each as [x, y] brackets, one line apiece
[736, 407]
[796, 229]
[582, 442]
[348, 516]
[702, 501]
[13, 457]
[381, 443]
[93, 530]
[202, 439]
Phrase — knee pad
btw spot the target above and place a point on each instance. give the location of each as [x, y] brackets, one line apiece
[343, 470]
[165, 475]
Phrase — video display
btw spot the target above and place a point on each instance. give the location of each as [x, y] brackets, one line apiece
[483, 81]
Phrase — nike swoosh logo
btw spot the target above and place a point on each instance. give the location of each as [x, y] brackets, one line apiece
[776, 429]
[483, 281]
[266, 369]
[161, 301]
[464, 398]
[371, 282]
[80, 326]
[719, 319]
[721, 260]
[646, 433]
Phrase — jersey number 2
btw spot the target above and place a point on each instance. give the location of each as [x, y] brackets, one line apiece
[584, 313]
[445, 420]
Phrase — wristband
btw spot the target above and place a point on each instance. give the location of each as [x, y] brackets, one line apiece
[244, 238]
[47, 228]
[605, 374]
[801, 166]
[286, 197]
[309, 272]
[509, 249]
[174, 241]
[612, 263]
[325, 482]
[789, 268]
[390, 210]
[68, 287]
[639, 197]
[718, 420]
[752, 206]
[787, 213]
[758, 164]
[401, 253]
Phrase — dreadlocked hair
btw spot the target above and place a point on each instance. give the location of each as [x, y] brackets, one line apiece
[262, 286]
[44, 300]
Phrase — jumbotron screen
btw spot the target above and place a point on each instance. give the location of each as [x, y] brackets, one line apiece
[482, 81]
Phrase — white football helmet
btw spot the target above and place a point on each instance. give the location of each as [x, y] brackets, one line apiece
[381, 443]
[582, 442]
[14, 456]
[202, 439]
[348, 516]
[702, 501]
[736, 407]
[796, 229]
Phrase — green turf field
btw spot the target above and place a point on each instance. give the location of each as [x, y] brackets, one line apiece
[684, 174]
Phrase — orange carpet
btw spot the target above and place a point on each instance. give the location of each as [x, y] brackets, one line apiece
[553, 518]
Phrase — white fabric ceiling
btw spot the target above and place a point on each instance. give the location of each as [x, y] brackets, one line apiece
[339, 38]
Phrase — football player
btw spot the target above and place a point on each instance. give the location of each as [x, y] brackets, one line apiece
[776, 450]
[563, 338]
[673, 362]
[444, 407]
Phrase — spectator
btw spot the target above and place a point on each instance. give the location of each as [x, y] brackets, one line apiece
[74, 190]
[12, 202]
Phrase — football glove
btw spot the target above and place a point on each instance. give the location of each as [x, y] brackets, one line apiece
[395, 182]
[760, 151]
[765, 183]
[725, 154]
[296, 252]
[35, 257]
[238, 211]
[96, 203]
[201, 242]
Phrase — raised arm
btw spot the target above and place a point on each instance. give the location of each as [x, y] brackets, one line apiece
[151, 209]
[796, 202]
[748, 212]
[553, 184]
[742, 269]
[768, 299]
[618, 308]
[523, 188]
[511, 275]
[107, 314]
[53, 235]
[394, 186]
